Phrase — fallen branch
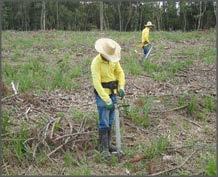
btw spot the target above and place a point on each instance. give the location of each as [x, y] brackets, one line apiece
[81, 140]
[74, 134]
[196, 145]
[27, 111]
[177, 148]
[82, 124]
[137, 86]
[174, 168]
[44, 136]
[28, 140]
[35, 149]
[136, 127]
[192, 122]
[40, 172]
[80, 128]
[5, 167]
[10, 96]
[71, 127]
[27, 171]
[59, 147]
[170, 110]
[14, 88]
[68, 138]
[177, 108]
[53, 127]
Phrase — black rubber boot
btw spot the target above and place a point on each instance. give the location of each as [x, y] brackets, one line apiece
[112, 148]
[104, 148]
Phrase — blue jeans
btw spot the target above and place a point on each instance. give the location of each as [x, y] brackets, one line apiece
[106, 117]
[146, 49]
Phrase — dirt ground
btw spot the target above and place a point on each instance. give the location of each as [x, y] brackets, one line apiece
[61, 121]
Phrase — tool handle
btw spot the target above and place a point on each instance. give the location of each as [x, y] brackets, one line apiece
[117, 129]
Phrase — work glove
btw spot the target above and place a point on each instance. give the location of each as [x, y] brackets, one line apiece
[121, 93]
[109, 105]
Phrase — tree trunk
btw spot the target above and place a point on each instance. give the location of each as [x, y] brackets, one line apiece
[43, 16]
[57, 15]
[21, 16]
[130, 16]
[201, 13]
[140, 23]
[214, 8]
[101, 15]
[158, 22]
[199, 18]
[164, 5]
[165, 26]
[26, 6]
[25, 17]
[119, 14]
[157, 13]
[185, 21]
[106, 22]
[137, 20]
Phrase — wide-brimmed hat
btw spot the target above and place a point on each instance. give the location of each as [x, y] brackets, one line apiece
[149, 24]
[109, 49]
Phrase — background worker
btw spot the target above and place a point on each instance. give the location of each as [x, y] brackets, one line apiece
[108, 80]
[145, 37]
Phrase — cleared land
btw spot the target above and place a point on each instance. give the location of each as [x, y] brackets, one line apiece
[168, 114]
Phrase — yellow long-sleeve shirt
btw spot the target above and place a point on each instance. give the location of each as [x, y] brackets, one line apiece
[145, 36]
[106, 71]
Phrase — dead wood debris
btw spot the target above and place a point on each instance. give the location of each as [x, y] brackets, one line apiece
[174, 168]
[63, 133]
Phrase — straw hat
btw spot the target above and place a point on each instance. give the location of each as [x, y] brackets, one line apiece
[149, 24]
[109, 49]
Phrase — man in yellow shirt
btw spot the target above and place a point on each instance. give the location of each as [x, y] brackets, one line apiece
[145, 38]
[108, 80]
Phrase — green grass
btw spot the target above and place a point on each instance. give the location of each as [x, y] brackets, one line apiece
[182, 100]
[209, 106]
[151, 151]
[207, 162]
[182, 173]
[198, 107]
[84, 170]
[211, 168]
[97, 157]
[139, 117]
[175, 66]
[209, 103]
[151, 67]
[41, 158]
[208, 54]
[192, 105]
[18, 143]
[130, 152]
[80, 167]
[132, 66]
[35, 56]
[70, 160]
[5, 121]
[52, 60]
[77, 114]
[33, 75]
[156, 148]
[165, 71]
[139, 113]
